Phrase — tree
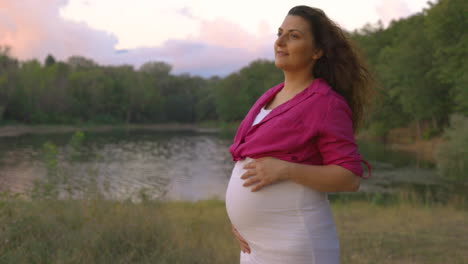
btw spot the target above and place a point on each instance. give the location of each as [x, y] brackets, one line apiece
[157, 69]
[8, 78]
[79, 62]
[236, 93]
[446, 24]
[49, 61]
[422, 95]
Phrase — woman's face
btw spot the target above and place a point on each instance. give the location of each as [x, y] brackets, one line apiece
[294, 48]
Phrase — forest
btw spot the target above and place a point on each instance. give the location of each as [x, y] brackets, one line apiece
[419, 63]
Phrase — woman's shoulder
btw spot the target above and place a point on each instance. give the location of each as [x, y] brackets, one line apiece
[326, 104]
[330, 97]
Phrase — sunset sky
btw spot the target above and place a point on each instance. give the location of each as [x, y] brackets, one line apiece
[200, 37]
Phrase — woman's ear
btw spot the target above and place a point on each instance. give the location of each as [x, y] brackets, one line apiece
[317, 54]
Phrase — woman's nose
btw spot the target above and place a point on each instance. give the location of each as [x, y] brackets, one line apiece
[280, 41]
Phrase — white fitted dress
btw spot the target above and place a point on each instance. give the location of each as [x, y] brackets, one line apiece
[283, 223]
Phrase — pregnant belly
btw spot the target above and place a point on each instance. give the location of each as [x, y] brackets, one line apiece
[246, 208]
[281, 221]
[275, 206]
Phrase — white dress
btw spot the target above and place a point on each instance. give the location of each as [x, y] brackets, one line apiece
[283, 223]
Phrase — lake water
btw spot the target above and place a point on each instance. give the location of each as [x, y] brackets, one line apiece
[189, 166]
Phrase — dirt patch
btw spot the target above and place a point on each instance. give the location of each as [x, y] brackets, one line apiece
[405, 139]
[423, 149]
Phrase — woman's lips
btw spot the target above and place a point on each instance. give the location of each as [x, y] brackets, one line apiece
[281, 53]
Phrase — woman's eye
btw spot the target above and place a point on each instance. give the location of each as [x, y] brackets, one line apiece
[278, 34]
[294, 36]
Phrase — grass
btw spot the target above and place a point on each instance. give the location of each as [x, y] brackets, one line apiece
[402, 234]
[101, 231]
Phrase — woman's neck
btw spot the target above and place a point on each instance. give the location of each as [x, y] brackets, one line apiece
[295, 82]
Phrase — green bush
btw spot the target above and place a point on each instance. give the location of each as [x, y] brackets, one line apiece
[430, 133]
[47, 187]
[76, 146]
[61, 164]
[377, 129]
[452, 153]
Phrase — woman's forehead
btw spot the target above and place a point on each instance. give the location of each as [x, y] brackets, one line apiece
[295, 22]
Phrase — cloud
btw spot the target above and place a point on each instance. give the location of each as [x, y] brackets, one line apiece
[224, 33]
[40, 31]
[389, 10]
[192, 57]
[220, 46]
[186, 12]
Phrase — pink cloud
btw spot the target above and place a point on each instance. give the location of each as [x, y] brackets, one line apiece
[224, 33]
[192, 57]
[35, 29]
[389, 10]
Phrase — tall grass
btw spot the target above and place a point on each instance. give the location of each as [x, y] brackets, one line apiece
[102, 231]
[402, 233]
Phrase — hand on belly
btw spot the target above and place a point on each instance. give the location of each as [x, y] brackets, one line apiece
[264, 171]
[247, 209]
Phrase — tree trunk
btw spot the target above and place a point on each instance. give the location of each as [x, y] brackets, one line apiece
[129, 114]
[2, 111]
[418, 129]
[434, 123]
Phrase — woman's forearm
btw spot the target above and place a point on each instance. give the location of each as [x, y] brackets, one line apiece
[328, 178]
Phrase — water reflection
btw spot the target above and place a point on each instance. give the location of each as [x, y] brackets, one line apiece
[179, 166]
[131, 164]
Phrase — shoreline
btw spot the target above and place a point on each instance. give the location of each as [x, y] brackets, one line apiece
[19, 130]
[423, 149]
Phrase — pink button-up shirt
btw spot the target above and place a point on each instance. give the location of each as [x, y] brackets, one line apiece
[314, 127]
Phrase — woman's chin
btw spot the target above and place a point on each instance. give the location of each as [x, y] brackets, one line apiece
[281, 65]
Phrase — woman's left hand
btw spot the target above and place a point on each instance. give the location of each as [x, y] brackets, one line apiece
[265, 171]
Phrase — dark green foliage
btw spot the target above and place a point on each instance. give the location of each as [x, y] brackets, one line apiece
[8, 78]
[420, 63]
[49, 61]
[446, 26]
[236, 93]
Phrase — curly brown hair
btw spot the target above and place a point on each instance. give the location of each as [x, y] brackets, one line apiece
[341, 65]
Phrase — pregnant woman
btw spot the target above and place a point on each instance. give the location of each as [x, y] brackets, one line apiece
[296, 144]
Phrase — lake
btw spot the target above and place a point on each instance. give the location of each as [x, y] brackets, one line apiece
[173, 165]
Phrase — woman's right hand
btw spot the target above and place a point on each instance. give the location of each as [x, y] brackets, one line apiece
[243, 244]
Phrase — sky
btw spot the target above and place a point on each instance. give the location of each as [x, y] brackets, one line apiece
[198, 37]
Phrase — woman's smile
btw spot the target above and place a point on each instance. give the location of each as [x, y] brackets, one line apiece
[280, 53]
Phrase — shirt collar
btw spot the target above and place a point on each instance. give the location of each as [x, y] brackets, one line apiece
[318, 85]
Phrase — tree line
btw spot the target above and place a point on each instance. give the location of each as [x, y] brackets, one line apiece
[419, 63]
